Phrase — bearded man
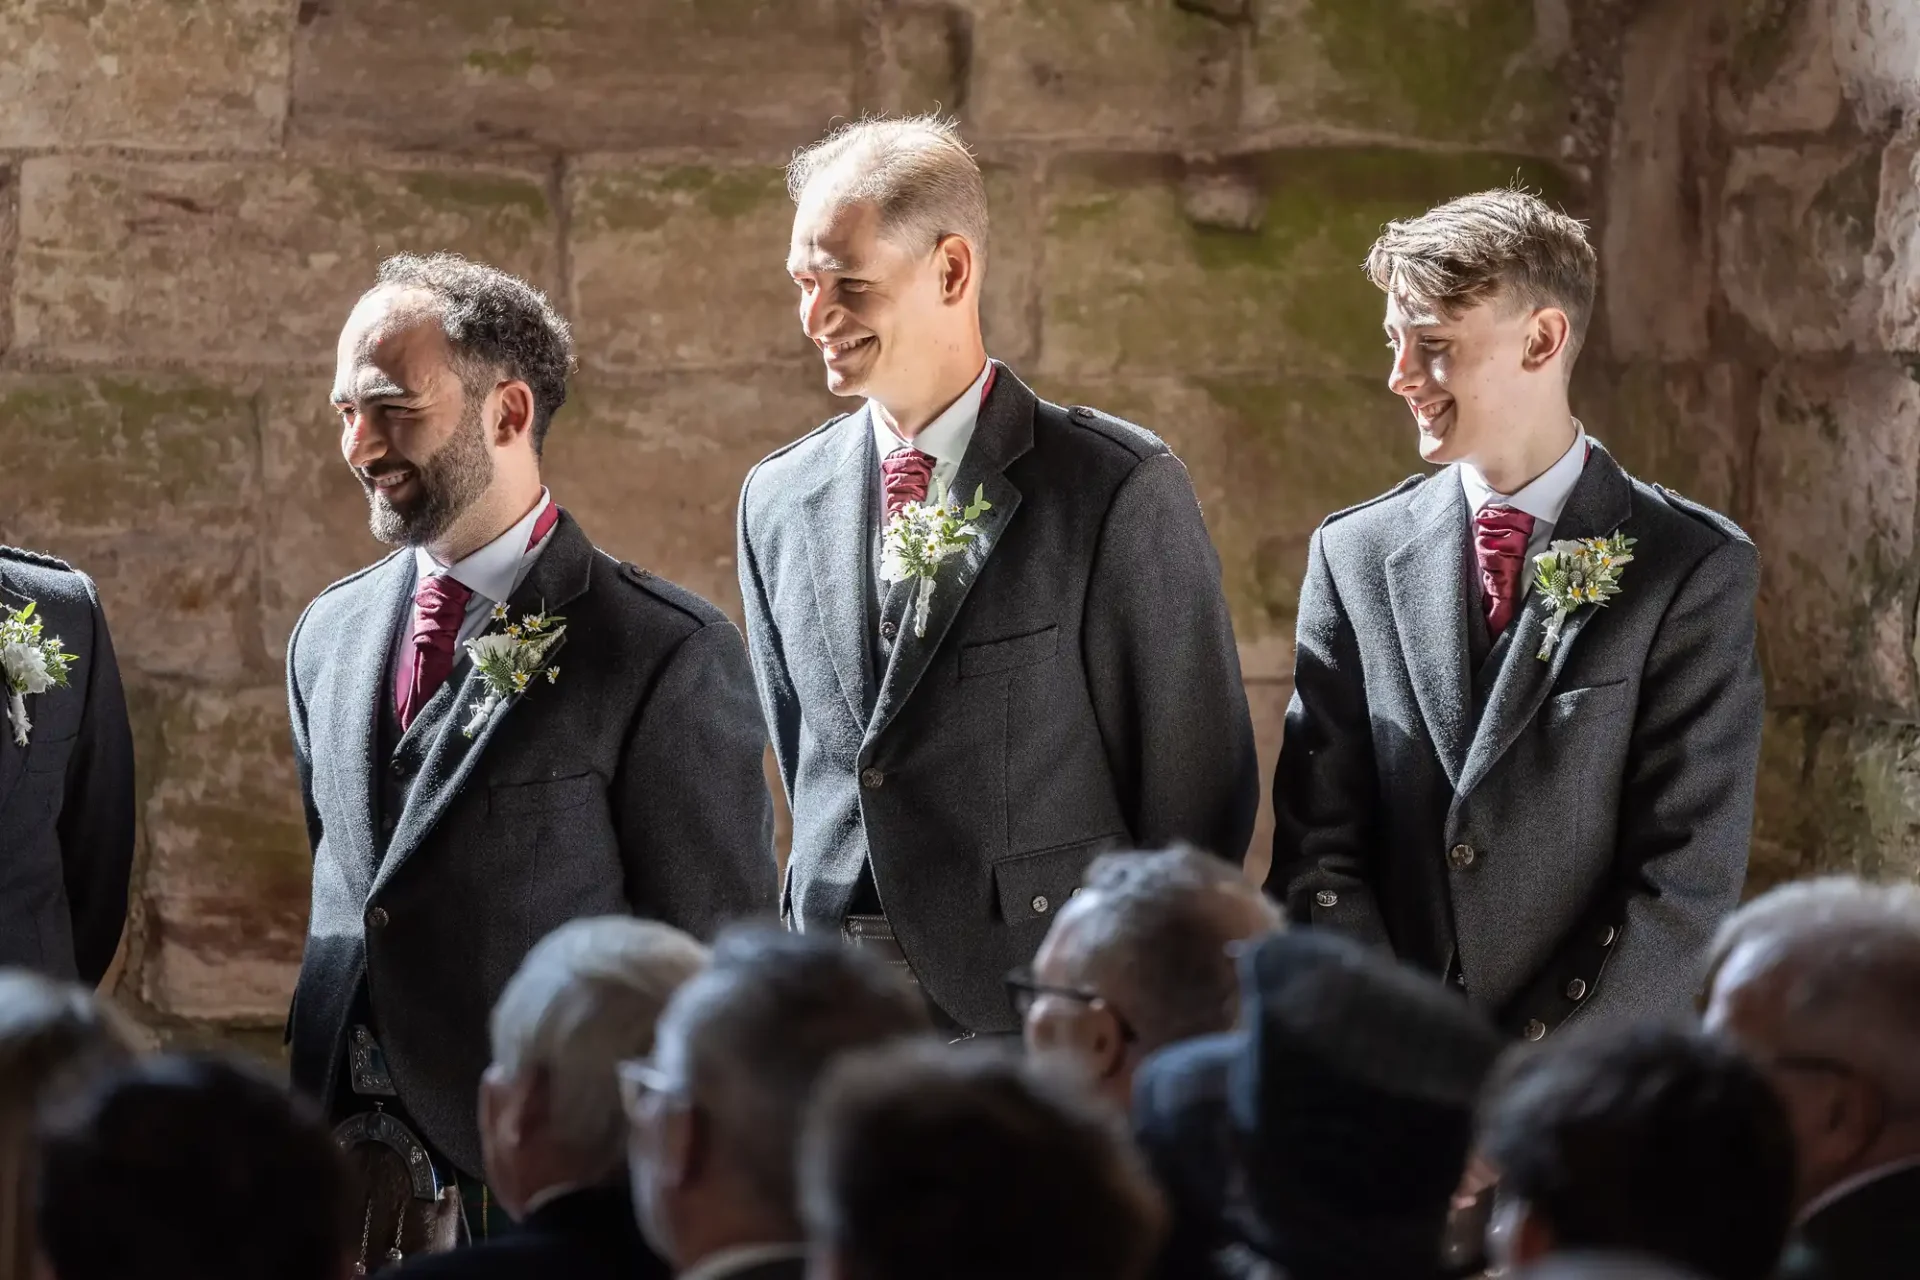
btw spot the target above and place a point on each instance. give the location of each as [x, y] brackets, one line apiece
[598, 751]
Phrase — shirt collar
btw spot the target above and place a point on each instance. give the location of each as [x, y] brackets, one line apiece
[1846, 1187]
[726, 1262]
[547, 1195]
[1543, 498]
[946, 438]
[494, 570]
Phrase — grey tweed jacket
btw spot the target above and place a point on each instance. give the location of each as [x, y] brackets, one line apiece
[66, 798]
[1077, 687]
[1568, 833]
[632, 784]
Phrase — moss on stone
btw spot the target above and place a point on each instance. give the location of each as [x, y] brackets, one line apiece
[471, 192]
[512, 62]
[1130, 274]
[1458, 70]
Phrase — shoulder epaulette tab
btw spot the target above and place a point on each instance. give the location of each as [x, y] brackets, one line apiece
[1130, 436]
[40, 558]
[1704, 514]
[669, 593]
[1377, 499]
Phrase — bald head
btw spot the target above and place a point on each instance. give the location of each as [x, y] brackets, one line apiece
[1821, 982]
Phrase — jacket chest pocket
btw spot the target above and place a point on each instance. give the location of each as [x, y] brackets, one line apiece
[541, 797]
[992, 657]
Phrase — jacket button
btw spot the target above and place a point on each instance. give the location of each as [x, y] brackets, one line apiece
[397, 767]
[889, 629]
[871, 778]
[1535, 1029]
[1461, 856]
[1607, 935]
[1326, 898]
[377, 917]
[1040, 903]
[1577, 989]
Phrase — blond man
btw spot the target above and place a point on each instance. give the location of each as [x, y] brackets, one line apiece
[955, 759]
[1544, 800]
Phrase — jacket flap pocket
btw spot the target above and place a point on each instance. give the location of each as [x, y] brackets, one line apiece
[1032, 886]
[1004, 655]
[1588, 701]
[541, 797]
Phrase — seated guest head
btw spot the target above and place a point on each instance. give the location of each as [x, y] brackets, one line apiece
[1137, 959]
[1820, 982]
[923, 1162]
[190, 1168]
[1650, 1140]
[1330, 1130]
[585, 1000]
[715, 1114]
[55, 1040]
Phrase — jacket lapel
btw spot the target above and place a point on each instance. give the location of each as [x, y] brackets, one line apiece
[361, 681]
[839, 541]
[13, 756]
[1427, 589]
[1600, 503]
[557, 579]
[1004, 433]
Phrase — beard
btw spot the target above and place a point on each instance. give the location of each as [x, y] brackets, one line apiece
[450, 482]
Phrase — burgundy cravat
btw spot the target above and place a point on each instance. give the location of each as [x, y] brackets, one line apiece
[1500, 544]
[439, 607]
[905, 474]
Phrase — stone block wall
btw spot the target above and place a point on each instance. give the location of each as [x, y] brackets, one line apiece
[192, 193]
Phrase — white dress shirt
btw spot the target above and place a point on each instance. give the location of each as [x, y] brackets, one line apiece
[1846, 1187]
[728, 1262]
[494, 572]
[945, 440]
[1543, 498]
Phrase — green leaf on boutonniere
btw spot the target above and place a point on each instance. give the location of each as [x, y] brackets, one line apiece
[979, 506]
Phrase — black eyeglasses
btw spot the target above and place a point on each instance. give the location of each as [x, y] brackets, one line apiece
[1023, 989]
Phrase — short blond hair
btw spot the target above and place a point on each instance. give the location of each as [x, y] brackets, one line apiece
[1505, 243]
[917, 169]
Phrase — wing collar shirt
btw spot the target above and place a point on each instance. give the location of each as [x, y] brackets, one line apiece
[1543, 498]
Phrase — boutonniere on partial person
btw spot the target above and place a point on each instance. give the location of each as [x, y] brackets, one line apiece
[1576, 573]
[508, 660]
[921, 537]
[32, 664]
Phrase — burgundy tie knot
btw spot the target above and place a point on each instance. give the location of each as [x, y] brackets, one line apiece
[904, 475]
[1500, 537]
[439, 607]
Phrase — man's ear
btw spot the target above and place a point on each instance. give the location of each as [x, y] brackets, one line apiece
[958, 266]
[1106, 1045]
[514, 412]
[686, 1143]
[1548, 333]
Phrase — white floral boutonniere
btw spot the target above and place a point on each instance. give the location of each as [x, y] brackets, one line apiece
[509, 659]
[1576, 573]
[31, 664]
[923, 535]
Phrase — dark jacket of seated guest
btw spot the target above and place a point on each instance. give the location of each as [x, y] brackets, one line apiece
[768, 1262]
[578, 1235]
[1868, 1232]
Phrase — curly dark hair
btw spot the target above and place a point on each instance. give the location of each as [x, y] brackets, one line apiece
[496, 323]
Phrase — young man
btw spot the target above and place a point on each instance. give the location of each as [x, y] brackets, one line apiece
[955, 760]
[1555, 822]
[453, 828]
